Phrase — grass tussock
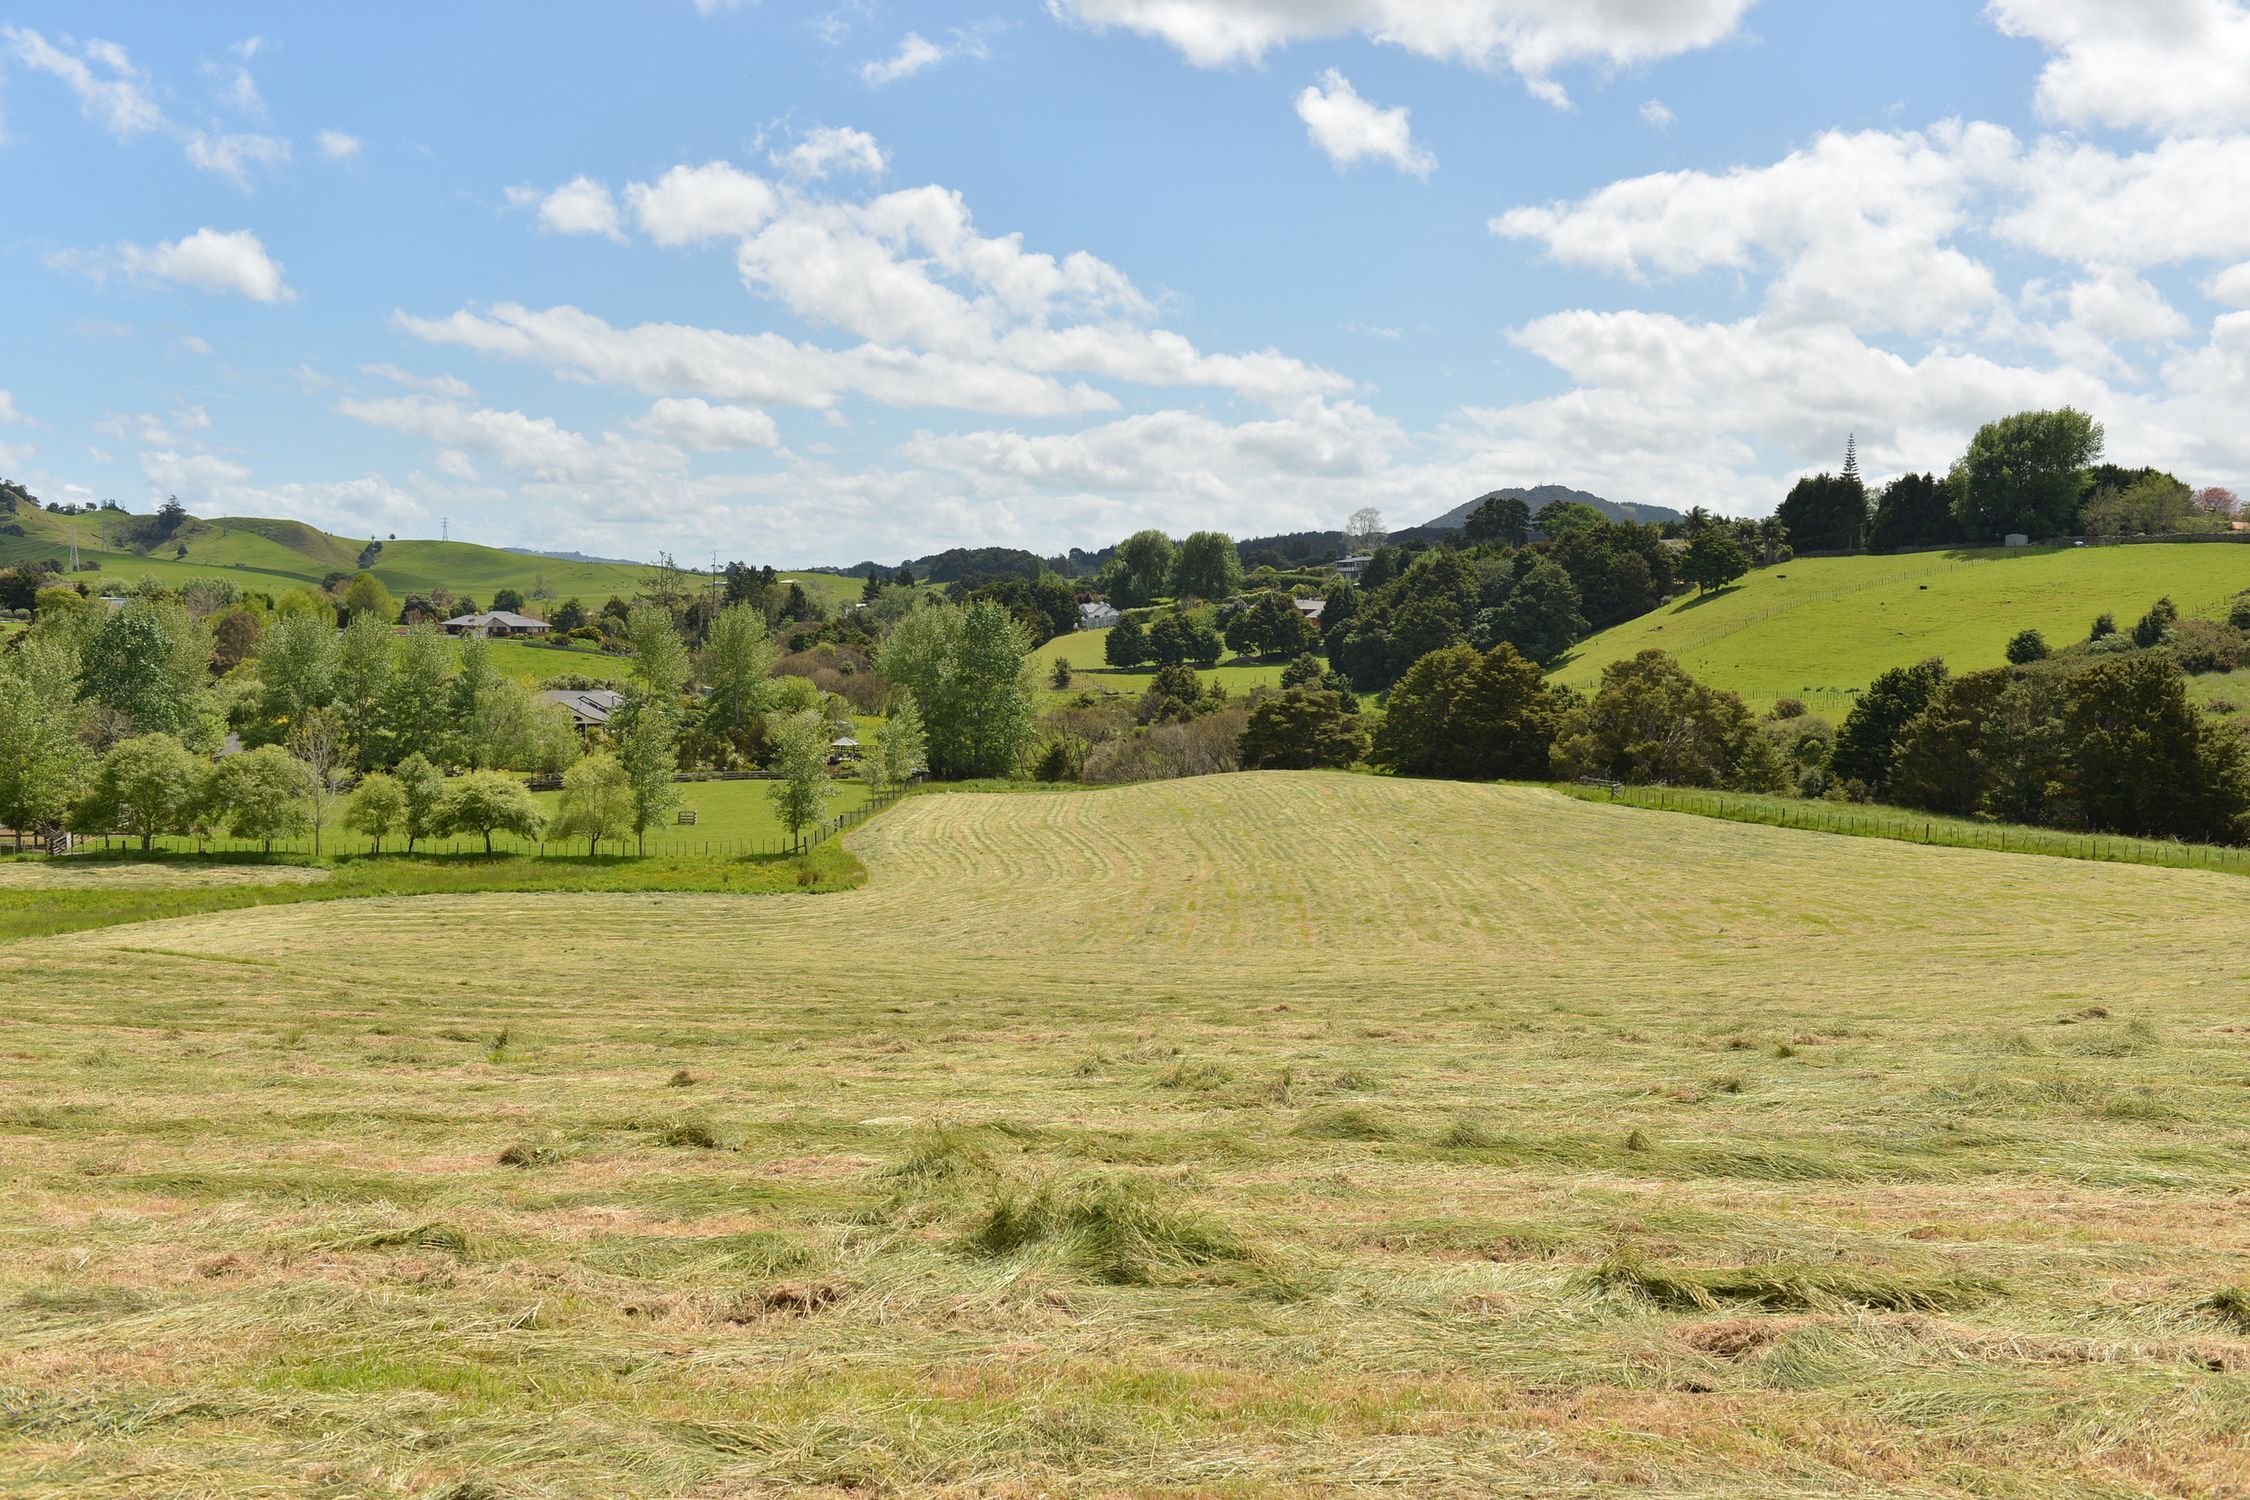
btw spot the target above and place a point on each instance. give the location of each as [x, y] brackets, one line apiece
[2230, 1306]
[1344, 1122]
[1118, 1230]
[530, 1154]
[695, 1132]
[1789, 1287]
[446, 1238]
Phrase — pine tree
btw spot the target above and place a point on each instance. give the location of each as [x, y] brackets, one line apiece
[1851, 459]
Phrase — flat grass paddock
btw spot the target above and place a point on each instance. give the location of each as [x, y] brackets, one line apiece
[1083, 650]
[1818, 628]
[1246, 1135]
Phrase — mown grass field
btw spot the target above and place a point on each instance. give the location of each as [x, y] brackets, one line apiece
[1249, 1135]
[1817, 628]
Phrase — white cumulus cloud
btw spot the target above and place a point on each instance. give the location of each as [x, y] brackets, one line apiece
[1531, 38]
[337, 146]
[834, 148]
[579, 206]
[2177, 67]
[700, 427]
[208, 260]
[1351, 130]
[688, 205]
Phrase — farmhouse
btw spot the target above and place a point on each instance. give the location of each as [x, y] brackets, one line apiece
[495, 622]
[1099, 615]
[590, 708]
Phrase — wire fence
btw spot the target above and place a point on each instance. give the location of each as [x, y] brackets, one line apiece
[1869, 821]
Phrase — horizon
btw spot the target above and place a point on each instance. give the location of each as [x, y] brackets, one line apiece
[859, 282]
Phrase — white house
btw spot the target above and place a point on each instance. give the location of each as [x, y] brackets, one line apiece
[1099, 615]
[495, 622]
[1350, 568]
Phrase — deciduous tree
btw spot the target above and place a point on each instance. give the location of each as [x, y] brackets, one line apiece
[486, 802]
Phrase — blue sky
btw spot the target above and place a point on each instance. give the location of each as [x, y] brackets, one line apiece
[812, 283]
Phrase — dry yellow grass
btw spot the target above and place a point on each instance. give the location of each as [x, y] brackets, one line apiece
[1261, 1134]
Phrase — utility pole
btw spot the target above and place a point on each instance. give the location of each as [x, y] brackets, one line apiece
[444, 530]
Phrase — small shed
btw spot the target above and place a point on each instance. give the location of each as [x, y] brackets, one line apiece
[2017, 539]
[841, 749]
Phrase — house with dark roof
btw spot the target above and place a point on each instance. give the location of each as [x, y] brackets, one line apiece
[590, 708]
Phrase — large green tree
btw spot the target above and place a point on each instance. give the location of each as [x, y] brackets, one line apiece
[148, 785]
[486, 802]
[1652, 722]
[1208, 567]
[297, 661]
[596, 803]
[1826, 513]
[970, 671]
[1867, 744]
[44, 763]
[2025, 474]
[1467, 716]
[259, 794]
[149, 665]
[738, 668]
[1140, 570]
[1302, 729]
[801, 789]
[1541, 617]
[1713, 559]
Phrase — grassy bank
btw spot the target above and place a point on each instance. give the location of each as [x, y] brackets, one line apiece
[1903, 824]
[103, 891]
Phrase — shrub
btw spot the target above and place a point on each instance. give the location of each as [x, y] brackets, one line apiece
[2027, 647]
[1302, 730]
[2203, 646]
[1204, 746]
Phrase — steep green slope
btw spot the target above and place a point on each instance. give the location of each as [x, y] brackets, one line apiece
[1818, 628]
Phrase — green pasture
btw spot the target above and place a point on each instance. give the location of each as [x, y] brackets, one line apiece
[1083, 650]
[1819, 628]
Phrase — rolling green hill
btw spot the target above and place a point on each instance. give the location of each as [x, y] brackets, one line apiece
[1819, 628]
[280, 554]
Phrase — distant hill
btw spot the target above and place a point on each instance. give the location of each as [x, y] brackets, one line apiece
[1546, 494]
[577, 557]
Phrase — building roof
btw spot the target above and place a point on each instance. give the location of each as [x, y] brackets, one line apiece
[493, 617]
[586, 705]
[1311, 608]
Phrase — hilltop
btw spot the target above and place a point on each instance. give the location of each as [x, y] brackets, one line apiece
[1822, 627]
[273, 554]
[1549, 494]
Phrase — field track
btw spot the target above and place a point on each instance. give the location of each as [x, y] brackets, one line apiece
[1255, 1134]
